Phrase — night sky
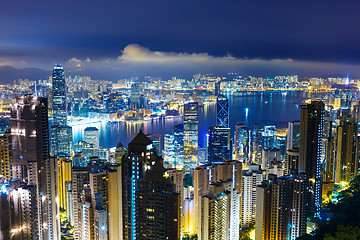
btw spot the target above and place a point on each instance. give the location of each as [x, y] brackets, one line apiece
[113, 39]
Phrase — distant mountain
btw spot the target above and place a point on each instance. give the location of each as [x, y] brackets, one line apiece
[8, 74]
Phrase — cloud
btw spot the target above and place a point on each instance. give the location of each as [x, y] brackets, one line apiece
[74, 60]
[137, 53]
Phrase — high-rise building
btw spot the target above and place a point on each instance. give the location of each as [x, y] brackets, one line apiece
[135, 96]
[311, 133]
[190, 135]
[346, 154]
[293, 135]
[61, 133]
[115, 202]
[253, 177]
[222, 111]
[157, 206]
[61, 141]
[218, 213]
[91, 135]
[281, 208]
[219, 149]
[178, 132]
[31, 162]
[134, 164]
[120, 152]
[241, 143]
[59, 96]
[80, 182]
[19, 212]
[291, 160]
[64, 174]
[169, 151]
[4, 157]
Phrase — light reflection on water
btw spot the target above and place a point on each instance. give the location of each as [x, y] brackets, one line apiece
[264, 108]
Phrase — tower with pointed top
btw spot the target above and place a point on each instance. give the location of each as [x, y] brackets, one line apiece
[222, 111]
[61, 133]
[134, 163]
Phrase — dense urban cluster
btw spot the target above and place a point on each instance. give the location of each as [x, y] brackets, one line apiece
[271, 183]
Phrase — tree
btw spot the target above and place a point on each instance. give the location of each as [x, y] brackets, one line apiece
[344, 233]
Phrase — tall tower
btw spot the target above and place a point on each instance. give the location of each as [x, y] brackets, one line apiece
[59, 96]
[346, 159]
[253, 177]
[222, 111]
[61, 134]
[219, 144]
[190, 135]
[91, 135]
[293, 135]
[157, 206]
[311, 132]
[241, 147]
[4, 157]
[31, 162]
[133, 166]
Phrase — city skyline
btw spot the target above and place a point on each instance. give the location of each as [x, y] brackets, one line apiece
[115, 40]
[189, 120]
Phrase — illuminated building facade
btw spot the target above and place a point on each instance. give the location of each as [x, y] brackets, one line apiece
[31, 161]
[4, 157]
[59, 96]
[219, 149]
[64, 174]
[91, 135]
[281, 208]
[311, 132]
[190, 135]
[222, 111]
[157, 206]
[134, 164]
[253, 177]
[61, 134]
[241, 143]
[346, 154]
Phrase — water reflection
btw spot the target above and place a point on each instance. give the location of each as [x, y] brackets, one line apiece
[263, 108]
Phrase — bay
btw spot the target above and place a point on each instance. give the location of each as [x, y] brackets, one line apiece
[266, 108]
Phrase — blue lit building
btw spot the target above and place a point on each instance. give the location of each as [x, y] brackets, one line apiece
[219, 149]
[190, 134]
[60, 134]
[59, 96]
[222, 111]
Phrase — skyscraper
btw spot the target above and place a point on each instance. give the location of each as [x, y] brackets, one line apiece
[157, 206]
[293, 135]
[61, 133]
[280, 208]
[222, 111]
[253, 177]
[311, 132]
[135, 96]
[133, 166]
[219, 149]
[190, 135]
[178, 132]
[218, 216]
[31, 162]
[91, 135]
[241, 143]
[59, 96]
[346, 154]
[4, 157]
